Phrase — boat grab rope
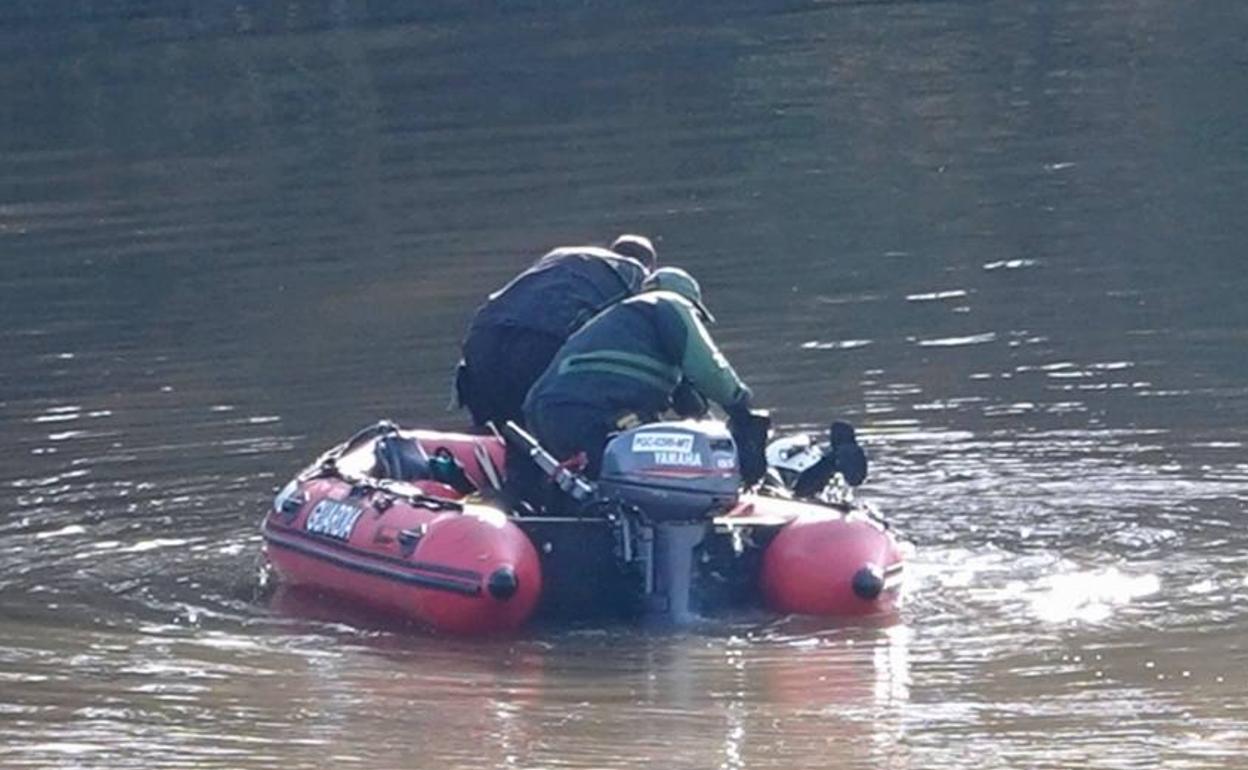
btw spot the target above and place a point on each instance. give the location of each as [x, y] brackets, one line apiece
[326, 466]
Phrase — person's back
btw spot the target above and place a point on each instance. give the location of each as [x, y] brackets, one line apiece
[514, 335]
[567, 283]
[624, 366]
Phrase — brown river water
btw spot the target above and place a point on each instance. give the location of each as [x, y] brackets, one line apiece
[1005, 239]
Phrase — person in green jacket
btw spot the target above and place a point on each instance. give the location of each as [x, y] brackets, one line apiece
[627, 364]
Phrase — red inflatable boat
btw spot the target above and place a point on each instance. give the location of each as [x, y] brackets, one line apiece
[426, 526]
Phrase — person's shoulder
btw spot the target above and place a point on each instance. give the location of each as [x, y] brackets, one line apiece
[666, 301]
[673, 300]
[571, 257]
[564, 253]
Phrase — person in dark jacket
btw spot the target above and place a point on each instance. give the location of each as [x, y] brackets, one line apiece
[515, 334]
[625, 367]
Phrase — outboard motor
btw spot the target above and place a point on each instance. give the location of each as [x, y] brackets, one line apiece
[807, 467]
[678, 476]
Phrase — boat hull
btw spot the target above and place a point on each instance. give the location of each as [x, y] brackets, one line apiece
[464, 569]
[421, 552]
[821, 560]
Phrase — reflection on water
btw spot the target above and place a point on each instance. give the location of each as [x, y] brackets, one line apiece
[1087, 596]
[584, 699]
[1003, 240]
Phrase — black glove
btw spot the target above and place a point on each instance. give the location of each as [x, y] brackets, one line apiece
[843, 455]
[740, 415]
[851, 461]
[749, 430]
[814, 479]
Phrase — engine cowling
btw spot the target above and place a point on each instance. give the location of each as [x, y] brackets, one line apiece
[673, 471]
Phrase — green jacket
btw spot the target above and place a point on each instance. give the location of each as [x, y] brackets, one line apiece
[631, 357]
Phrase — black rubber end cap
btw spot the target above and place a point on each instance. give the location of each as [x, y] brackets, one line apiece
[503, 583]
[868, 583]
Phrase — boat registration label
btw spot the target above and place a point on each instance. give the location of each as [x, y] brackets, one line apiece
[333, 518]
[663, 443]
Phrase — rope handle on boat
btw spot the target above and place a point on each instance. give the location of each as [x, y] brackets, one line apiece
[406, 493]
[326, 466]
[842, 500]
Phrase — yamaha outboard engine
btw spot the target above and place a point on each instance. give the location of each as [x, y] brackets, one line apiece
[677, 476]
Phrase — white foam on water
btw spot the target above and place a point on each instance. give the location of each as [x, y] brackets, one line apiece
[952, 342]
[1090, 596]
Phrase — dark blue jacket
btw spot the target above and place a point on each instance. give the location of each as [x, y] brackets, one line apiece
[561, 291]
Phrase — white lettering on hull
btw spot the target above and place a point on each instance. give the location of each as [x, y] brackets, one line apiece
[333, 518]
